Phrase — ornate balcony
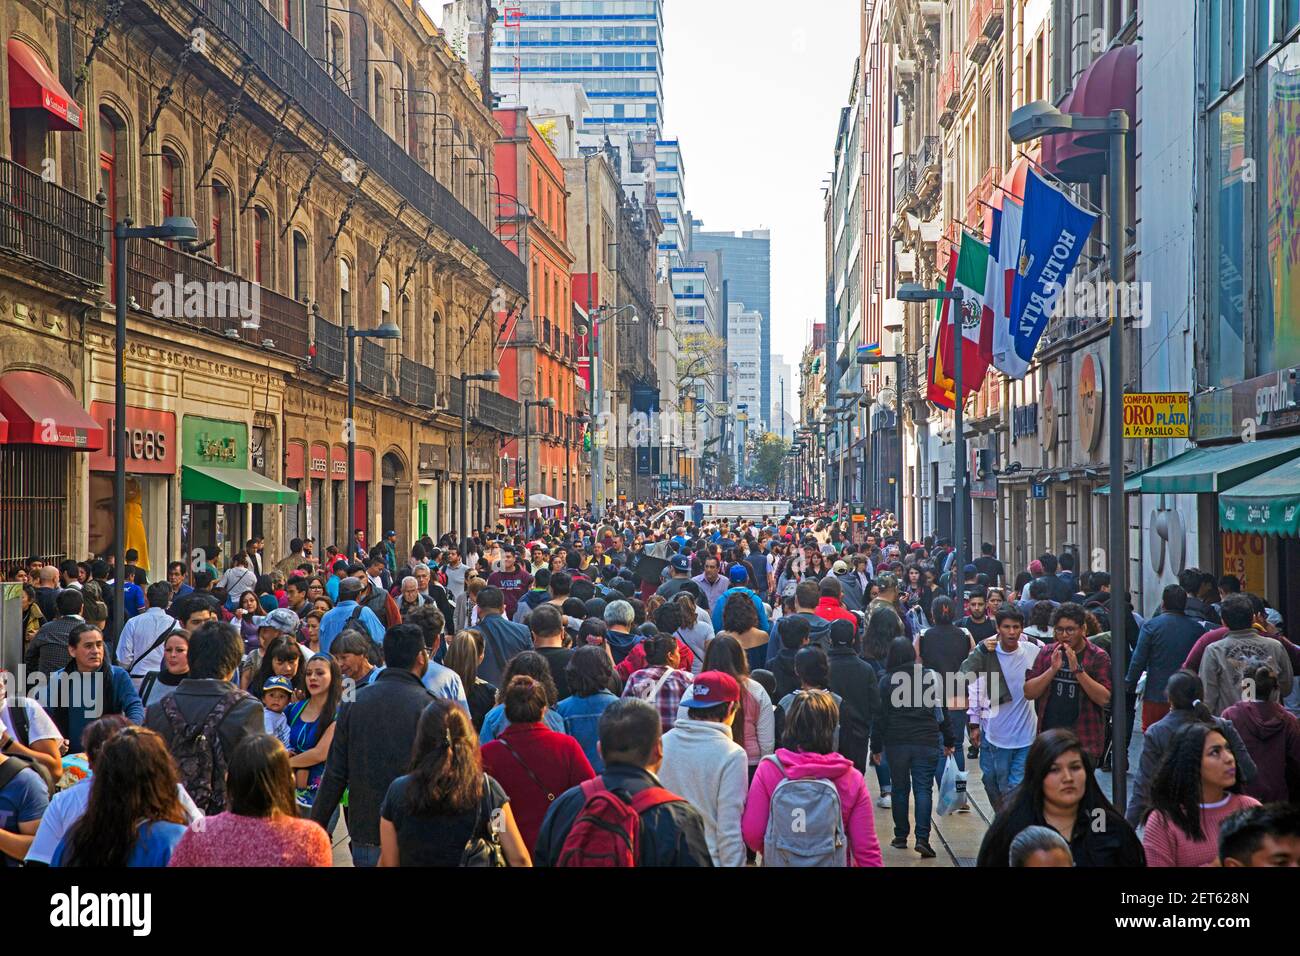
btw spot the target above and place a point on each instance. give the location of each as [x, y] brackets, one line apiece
[45, 224]
[949, 94]
[176, 286]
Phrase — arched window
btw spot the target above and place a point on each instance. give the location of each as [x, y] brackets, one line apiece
[223, 225]
[399, 108]
[171, 195]
[302, 267]
[263, 268]
[345, 293]
[336, 57]
[385, 303]
[412, 345]
[380, 101]
[112, 177]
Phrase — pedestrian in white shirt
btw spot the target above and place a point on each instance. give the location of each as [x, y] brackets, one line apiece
[703, 764]
[140, 646]
[238, 578]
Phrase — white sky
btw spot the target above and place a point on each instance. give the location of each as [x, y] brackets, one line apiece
[753, 89]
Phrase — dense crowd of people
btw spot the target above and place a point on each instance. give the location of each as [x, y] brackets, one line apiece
[619, 691]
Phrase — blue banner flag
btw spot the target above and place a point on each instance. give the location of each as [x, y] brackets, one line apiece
[1052, 234]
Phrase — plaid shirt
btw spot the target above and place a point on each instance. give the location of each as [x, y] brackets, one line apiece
[1090, 727]
[642, 683]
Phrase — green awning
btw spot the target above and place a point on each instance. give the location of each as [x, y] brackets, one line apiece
[232, 486]
[1132, 484]
[1268, 503]
[1210, 470]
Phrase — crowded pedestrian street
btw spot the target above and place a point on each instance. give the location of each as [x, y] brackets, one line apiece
[663, 435]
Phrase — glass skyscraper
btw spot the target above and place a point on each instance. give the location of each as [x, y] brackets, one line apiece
[614, 48]
[747, 269]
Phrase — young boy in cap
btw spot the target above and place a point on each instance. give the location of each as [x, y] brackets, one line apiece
[707, 767]
[276, 693]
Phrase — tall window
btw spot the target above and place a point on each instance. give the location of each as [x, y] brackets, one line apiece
[380, 116]
[223, 220]
[169, 182]
[302, 267]
[262, 261]
[399, 108]
[385, 303]
[336, 54]
[345, 293]
[112, 177]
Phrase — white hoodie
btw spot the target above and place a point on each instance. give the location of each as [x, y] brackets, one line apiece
[709, 769]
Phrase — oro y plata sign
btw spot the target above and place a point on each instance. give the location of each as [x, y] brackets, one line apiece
[1157, 415]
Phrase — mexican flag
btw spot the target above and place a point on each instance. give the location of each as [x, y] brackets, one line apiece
[939, 384]
[969, 275]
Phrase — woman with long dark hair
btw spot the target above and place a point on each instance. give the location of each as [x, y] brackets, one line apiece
[446, 808]
[1060, 791]
[464, 655]
[1195, 790]
[311, 726]
[740, 620]
[755, 726]
[261, 826]
[282, 658]
[530, 664]
[134, 816]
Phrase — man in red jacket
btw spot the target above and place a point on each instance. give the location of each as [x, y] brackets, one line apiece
[831, 606]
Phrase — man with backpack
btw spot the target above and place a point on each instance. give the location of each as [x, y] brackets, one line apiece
[623, 817]
[207, 716]
[349, 611]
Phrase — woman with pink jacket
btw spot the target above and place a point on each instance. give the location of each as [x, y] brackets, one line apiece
[809, 754]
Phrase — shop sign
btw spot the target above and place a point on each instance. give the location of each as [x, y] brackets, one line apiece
[150, 440]
[1265, 404]
[318, 461]
[1157, 415]
[1024, 421]
[478, 461]
[433, 459]
[214, 443]
[1244, 555]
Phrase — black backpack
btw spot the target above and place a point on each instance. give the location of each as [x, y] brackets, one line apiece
[198, 752]
[22, 733]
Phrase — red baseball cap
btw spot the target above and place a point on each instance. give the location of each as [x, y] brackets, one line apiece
[712, 688]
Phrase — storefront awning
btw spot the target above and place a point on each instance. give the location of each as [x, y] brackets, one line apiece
[33, 86]
[41, 410]
[232, 486]
[4, 429]
[1109, 83]
[1132, 484]
[1211, 470]
[1267, 504]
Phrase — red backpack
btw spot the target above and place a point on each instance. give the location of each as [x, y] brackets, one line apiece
[607, 831]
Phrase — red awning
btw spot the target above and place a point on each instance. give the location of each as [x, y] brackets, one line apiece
[1109, 83]
[4, 429]
[42, 411]
[33, 86]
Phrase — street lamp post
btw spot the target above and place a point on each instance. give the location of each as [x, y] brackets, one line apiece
[570, 422]
[900, 364]
[173, 228]
[529, 404]
[913, 292]
[491, 375]
[1109, 133]
[387, 331]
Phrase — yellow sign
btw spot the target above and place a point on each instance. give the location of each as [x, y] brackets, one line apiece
[1245, 556]
[1157, 415]
[509, 496]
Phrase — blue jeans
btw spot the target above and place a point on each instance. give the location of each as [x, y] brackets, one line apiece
[364, 854]
[912, 767]
[883, 776]
[957, 724]
[1003, 769]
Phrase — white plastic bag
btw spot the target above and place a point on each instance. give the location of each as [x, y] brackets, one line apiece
[952, 789]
